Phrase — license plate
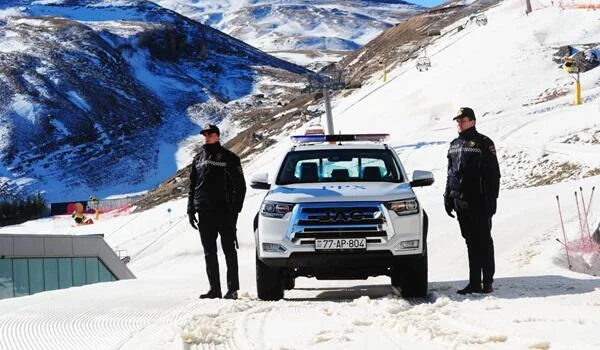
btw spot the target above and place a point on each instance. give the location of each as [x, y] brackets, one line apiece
[340, 243]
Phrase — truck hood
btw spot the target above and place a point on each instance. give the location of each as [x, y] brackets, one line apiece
[338, 192]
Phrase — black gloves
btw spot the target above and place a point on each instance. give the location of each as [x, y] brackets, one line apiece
[491, 206]
[449, 206]
[193, 220]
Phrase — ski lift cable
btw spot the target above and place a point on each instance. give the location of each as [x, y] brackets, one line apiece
[139, 253]
[401, 73]
[125, 224]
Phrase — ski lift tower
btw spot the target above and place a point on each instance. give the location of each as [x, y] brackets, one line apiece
[383, 65]
[335, 82]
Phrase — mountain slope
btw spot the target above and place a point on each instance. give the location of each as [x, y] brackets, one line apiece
[298, 25]
[408, 40]
[395, 46]
[119, 84]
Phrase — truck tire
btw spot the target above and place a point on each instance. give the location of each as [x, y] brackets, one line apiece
[289, 283]
[411, 276]
[269, 284]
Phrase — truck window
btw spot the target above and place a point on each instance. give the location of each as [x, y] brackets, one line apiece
[350, 165]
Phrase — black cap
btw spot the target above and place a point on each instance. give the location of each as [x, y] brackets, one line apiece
[465, 112]
[209, 128]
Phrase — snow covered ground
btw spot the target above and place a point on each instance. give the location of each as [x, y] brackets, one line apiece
[539, 303]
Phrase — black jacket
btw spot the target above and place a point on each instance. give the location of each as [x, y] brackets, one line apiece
[216, 181]
[473, 170]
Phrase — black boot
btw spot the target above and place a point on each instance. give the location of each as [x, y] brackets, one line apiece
[470, 288]
[487, 288]
[212, 294]
[231, 294]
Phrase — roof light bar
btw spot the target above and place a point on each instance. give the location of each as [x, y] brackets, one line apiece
[339, 138]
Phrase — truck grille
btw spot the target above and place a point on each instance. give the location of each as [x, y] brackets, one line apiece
[338, 220]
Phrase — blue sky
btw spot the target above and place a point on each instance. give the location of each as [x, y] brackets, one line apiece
[428, 3]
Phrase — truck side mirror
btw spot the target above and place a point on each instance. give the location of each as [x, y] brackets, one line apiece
[421, 178]
[260, 181]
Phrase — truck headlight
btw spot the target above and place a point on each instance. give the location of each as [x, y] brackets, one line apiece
[275, 209]
[404, 207]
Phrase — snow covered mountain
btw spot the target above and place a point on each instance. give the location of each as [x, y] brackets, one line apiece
[506, 73]
[99, 96]
[543, 298]
[311, 27]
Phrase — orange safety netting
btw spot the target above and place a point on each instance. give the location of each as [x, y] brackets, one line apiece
[564, 4]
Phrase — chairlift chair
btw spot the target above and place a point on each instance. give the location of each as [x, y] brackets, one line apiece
[481, 19]
[423, 63]
[314, 129]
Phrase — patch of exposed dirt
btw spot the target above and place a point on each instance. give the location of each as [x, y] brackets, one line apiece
[548, 95]
[523, 170]
[590, 136]
[265, 123]
[549, 172]
[593, 172]
[174, 187]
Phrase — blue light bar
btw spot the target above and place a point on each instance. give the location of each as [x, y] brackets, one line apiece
[338, 138]
[308, 138]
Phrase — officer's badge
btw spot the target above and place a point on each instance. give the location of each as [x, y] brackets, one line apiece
[472, 143]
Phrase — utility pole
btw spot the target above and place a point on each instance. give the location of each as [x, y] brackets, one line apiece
[383, 63]
[329, 129]
[578, 99]
[335, 82]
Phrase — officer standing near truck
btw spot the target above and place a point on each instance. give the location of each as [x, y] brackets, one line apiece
[217, 190]
[472, 188]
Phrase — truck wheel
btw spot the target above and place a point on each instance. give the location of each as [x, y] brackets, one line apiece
[289, 283]
[411, 276]
[269, 284]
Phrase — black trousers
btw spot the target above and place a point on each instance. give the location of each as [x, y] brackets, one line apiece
[210, 226]
[475, 227]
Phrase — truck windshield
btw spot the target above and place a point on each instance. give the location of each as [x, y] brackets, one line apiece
[352, 165]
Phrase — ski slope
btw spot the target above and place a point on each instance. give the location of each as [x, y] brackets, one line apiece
[539, 303]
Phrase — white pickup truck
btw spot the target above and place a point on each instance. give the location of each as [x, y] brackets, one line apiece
[340, 209]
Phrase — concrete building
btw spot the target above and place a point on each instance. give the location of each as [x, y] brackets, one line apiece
[35, 263]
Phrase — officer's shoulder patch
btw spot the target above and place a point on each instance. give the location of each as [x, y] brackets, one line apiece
[492, 149]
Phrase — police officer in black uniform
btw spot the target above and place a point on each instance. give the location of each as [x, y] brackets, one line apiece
[471, 191]
[217, 190]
